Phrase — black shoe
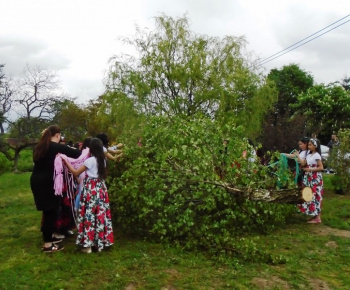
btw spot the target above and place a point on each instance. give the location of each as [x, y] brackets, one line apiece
[53, 248]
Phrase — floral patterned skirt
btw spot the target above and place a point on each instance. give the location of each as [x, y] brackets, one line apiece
[94, 223]
[313, 180]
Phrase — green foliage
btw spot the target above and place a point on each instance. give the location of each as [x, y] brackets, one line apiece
[179, 72]
[72, 118]
[25, 127]
[5, 164]
[290, 81]
[340, 161]
[117, 116]
[282, 130]
[327, 108]
[25, 162]
[176, 187]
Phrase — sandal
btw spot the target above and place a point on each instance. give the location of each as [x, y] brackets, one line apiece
[53, 248]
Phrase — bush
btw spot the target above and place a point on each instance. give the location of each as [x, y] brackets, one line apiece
[25, 162]
[340, 162]
[5, 164]
[170, 188]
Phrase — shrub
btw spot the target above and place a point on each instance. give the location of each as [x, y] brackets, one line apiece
[340, 162]
[5, 164]
[174, 188]
[25, 162]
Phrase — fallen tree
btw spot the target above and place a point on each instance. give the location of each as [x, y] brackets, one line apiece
[289, 196]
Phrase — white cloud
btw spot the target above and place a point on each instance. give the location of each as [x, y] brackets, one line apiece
[77, 37]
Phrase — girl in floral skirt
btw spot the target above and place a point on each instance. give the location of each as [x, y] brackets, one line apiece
[313, 179]
[94, 222]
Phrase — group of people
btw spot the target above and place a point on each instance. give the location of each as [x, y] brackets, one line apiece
[94, 222]
[310, 160]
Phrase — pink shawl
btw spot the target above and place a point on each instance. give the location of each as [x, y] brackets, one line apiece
[60, 168]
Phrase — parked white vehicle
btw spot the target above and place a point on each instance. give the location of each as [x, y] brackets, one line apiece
[324, 152]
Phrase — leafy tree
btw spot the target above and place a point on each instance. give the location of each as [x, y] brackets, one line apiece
[340, 162]
[170, 188]
[71, 117]
[181, 73]
[282, 129]
[290, 81]
[345, 82]
[117, 116]
[327, 108]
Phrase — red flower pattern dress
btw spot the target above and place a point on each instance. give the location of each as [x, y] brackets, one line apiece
[94, 223]
[314, 180]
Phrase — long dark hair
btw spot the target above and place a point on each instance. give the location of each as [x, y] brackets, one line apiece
[104, 138]
[42, 147]
[86, 143]
[304, 140]
[96, 150]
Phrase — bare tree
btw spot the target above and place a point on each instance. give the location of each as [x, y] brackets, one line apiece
[38, 89]
[35, 94]
[6, 98]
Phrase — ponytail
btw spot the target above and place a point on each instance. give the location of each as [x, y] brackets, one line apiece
[42, 147]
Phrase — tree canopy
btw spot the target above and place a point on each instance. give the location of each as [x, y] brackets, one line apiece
[178, 72]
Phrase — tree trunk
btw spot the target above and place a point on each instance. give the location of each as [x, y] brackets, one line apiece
[291, 196]
[15, 161]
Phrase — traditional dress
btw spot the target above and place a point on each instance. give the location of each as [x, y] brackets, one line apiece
[314, 180]
[94, 224]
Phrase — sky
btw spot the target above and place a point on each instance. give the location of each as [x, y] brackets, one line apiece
[76, 38]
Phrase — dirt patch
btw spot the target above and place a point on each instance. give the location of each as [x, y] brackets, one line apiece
[332, 244]
[270, 283]
[323, 230]
[131, 287]
[317, 284]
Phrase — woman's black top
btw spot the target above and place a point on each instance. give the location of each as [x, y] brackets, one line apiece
[42, 178]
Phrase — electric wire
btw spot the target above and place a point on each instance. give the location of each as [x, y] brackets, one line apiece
[292, 47]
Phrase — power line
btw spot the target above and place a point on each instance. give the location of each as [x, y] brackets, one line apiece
[289, 48]
[264, 62]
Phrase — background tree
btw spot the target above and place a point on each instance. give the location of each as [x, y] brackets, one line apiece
[36, 91]
[181, 73]
[345, 82]
[116, 115]
[72, 118]
[327, 108]
[6, 98]
[282, 129]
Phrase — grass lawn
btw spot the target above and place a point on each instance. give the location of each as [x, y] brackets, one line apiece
[312, 256]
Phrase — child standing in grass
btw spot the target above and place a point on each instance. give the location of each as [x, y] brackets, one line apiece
[313, 179]
[94, 223]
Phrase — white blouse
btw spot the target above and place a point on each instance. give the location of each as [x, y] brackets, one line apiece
[311, 159]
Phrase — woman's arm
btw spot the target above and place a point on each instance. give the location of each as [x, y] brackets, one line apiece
[109, 156]
[69, 151]
[300, 160]
[76, 172]
[112, 151]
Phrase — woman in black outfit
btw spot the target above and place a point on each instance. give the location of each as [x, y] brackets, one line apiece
[42, 182]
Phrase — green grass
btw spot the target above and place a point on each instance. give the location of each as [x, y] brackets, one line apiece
[307, 259]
